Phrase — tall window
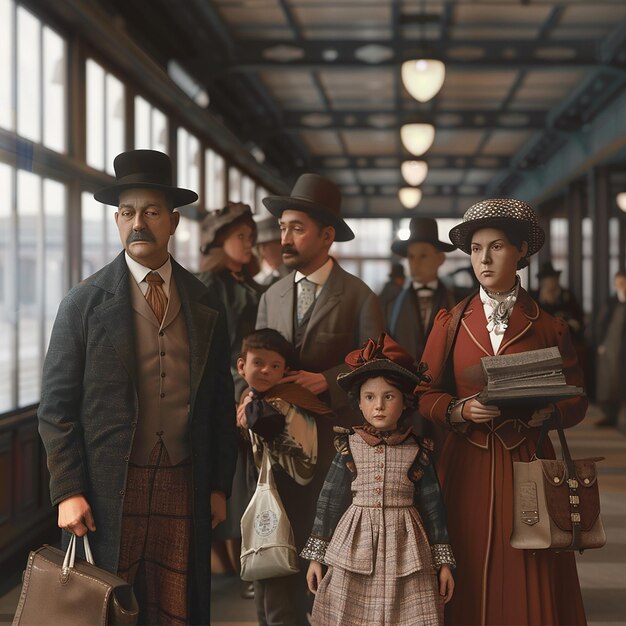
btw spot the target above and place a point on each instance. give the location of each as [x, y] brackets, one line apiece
[247, 192]
[559, 247]
[33, 78]
[587, 228]
[188, 160]
[150, 127]
[234, 185]
[105, 117]
[614, 228]
[260, 209]
[215, 173]
[187, 244]
[100, 237]
[34, 279]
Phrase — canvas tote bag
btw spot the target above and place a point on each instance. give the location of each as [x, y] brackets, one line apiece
[58, 588]
[267, 546]
[556, 503]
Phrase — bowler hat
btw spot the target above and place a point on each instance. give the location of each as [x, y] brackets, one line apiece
[423, 230]
[499, 213]
[268, 230]
[547, 269]
[397, 271]
[216, 220]
[147, 169]
[316, 196]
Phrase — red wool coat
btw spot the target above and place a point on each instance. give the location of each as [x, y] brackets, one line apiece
[495, 583]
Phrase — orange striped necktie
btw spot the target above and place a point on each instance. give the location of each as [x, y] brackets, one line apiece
[156, 296]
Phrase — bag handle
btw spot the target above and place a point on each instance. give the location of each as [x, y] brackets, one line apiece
[572, 480]
[266, 476]
[70, 556]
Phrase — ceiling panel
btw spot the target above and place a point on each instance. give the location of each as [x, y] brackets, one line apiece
[503, 142]
[456, 142]
[366, 142]
[379, 176]
[501, 15]
[321, 142]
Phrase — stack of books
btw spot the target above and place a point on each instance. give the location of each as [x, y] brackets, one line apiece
[528, 378]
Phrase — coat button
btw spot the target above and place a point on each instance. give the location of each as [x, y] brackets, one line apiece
[377, 490]
[127, 458]
[161, 333]
[556, 479]
[381, 464]
[378, 477]
[162, 374]
[162, 353]
[122, 492]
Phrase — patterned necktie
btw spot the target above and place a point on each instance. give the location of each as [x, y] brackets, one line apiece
[156, 296]
[306, 297]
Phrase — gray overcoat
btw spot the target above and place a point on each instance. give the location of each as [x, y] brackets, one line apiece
[89, 408]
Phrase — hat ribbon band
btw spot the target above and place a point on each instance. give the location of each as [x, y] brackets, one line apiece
[144, 177]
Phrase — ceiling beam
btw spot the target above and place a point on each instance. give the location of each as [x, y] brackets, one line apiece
[429, 191]
[294, 121]
[439, 161]
[264, 54]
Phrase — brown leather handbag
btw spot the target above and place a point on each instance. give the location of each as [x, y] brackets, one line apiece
[556, 502]
[58, 588]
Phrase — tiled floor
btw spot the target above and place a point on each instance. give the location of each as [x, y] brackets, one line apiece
[602, 572]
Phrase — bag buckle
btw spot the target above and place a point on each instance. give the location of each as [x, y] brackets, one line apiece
[572, 483]
[574, 500]
[575, 517]
[530, 517]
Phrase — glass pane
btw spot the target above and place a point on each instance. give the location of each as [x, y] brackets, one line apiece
[193, 179]
[113, 245]
[188, 160]
[7, 118]
[95, 115]
[559, 246]
[183, 156]
[28, 72]
[159, 131]
[55, 286]
[187, 238]
[234, 184]
[55, 81]
[142, 123]
[261, 193]
[29, 282]
[115, 116]
[92, 213]
[8, 281]
[247, 191]
[214, 180]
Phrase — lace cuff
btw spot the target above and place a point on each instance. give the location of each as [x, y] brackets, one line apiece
[442, 555]
[315, 549]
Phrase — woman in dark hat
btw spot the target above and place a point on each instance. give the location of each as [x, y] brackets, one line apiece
[227, 265]
[497, 584]
[380, 523]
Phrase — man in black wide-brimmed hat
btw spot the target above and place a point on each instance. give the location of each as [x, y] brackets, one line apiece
[136, 411]
[325, 313]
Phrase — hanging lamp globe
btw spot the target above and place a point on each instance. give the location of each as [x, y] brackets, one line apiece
[621, 200]
[423, 78]
[414, 172]
[417, 138]
[410, 197]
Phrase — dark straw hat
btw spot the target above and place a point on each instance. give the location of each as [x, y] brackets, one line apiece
[316, 196]
[147, 169]
[216, 220]
[499, 213]
[381, 357]
[423, 230]
[547, 269]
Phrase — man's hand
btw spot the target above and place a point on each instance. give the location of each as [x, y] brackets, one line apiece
[242, 422]
[314, 576]
[446, 583]
[218, 508]
[315, 383]
[477, 412]
[75, 516]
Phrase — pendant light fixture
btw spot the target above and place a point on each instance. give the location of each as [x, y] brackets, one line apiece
[410, 197]
[417, 138]
[414, 172]
[621, 200]
[423, 78]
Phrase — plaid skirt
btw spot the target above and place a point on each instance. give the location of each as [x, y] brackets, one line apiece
[156, 536]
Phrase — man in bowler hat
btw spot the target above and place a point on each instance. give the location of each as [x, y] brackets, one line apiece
[270, 252]
[410, 315]
[136, 412]
[325, 313]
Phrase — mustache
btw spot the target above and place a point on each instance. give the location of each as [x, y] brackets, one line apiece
[288, 250]
[144, 235]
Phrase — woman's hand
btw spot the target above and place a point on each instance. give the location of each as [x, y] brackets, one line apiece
[475, 411]
[75, 515]
[446, 583]
[541, 415]
[314, 576]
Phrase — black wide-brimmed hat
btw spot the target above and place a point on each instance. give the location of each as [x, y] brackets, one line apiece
[215, 221]
[423, 230]
[147, 169]
[500, 213]
[316, 196]
[379, 358]
[547, 269]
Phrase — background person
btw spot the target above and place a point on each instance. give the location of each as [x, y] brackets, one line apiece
[270, 252]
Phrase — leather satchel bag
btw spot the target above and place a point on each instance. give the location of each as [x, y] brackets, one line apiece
[58, 588]
[556, 502]
[267, 546]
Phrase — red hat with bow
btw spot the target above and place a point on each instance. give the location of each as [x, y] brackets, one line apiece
[381, 357]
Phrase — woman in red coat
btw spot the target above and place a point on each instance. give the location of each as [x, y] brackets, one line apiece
[497, 584]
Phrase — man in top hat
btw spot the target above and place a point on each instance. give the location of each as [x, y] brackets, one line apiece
[410, 316]
[393, 286]
[136, 411]
[270, 252]
[324, 311]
